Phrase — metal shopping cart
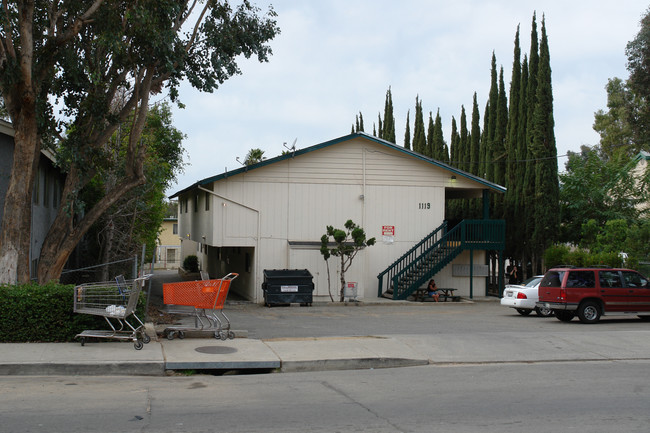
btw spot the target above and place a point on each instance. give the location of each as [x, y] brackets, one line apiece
[207, 297]
[116, 302]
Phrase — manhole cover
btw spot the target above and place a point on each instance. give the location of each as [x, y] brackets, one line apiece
[216, 350]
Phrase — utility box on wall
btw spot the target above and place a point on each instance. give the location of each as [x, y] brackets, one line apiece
[287, 286]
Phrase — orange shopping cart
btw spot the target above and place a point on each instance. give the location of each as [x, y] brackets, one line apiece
[207, 297]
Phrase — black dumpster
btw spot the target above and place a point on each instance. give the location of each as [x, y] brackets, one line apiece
[287, 286]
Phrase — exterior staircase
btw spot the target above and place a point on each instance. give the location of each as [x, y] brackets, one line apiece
[437, 250]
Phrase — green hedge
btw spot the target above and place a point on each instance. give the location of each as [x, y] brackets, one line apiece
[563, 255]
[44, 313]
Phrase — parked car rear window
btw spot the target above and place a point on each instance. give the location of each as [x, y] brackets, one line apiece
[552, 279]
[581, 279]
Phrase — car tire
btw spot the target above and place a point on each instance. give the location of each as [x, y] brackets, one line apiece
[543, 312]
[589, 312]
[523, 311]
[564, 316]
[645, 318]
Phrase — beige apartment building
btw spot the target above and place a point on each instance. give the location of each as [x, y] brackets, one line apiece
[271, 215]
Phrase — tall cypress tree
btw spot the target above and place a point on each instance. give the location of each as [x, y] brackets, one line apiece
[528, 204]
[484, 154]
[419, 137]
[454, 145]
[380, 129]
[463, 157]
[522, 145]
[475, 139]
[407, 131]
[441, 150]
[389, 119]
[511, 183]
[490, 122]
[473, 206]
[454, 207]
[499, 155]
[546, 198]
[431, 151]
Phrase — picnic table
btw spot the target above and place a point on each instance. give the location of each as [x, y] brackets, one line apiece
[445, 293]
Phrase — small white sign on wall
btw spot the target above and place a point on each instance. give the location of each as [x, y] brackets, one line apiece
[388, 234]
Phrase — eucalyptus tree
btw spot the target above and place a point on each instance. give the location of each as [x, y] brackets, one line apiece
[63, 65]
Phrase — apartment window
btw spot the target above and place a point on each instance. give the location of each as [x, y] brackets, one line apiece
[175, 228]
[196, 203]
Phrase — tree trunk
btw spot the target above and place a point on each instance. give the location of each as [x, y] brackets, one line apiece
[341, 298]
[65, 233]
[17, 217]
[107, 247]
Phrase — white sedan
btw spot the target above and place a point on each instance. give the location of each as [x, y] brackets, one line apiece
[522, 297]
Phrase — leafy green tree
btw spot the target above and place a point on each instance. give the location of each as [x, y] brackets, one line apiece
[100, 62]
[597, 189]
[616, 132]
[135, 219]
[346, 244]
[638, 64]
[254, 156]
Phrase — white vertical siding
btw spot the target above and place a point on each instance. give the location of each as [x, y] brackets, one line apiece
[296, 198]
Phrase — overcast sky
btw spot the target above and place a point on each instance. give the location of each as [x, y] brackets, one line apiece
[336, 58]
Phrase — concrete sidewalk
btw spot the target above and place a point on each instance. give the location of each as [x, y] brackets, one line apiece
[385, 340]
[314, 354]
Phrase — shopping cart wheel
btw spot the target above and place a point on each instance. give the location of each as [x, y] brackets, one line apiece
[83, 341]
[223, 335]
[231, 335]
[138, 345]
[170, 335]
[181, 334]
[145, 338]
[216, 335]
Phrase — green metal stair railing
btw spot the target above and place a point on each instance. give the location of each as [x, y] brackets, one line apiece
[408, 257]
[438, 250]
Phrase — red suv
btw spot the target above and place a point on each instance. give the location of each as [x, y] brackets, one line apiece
[594, 292]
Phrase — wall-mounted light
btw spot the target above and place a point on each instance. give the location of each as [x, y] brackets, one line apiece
[453, 177]
[361, 197]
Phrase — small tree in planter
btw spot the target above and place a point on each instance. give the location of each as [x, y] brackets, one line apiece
[347, 244]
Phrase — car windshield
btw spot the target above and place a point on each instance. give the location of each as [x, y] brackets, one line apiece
[532, 282]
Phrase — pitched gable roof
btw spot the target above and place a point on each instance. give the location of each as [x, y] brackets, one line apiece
[454, 171]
